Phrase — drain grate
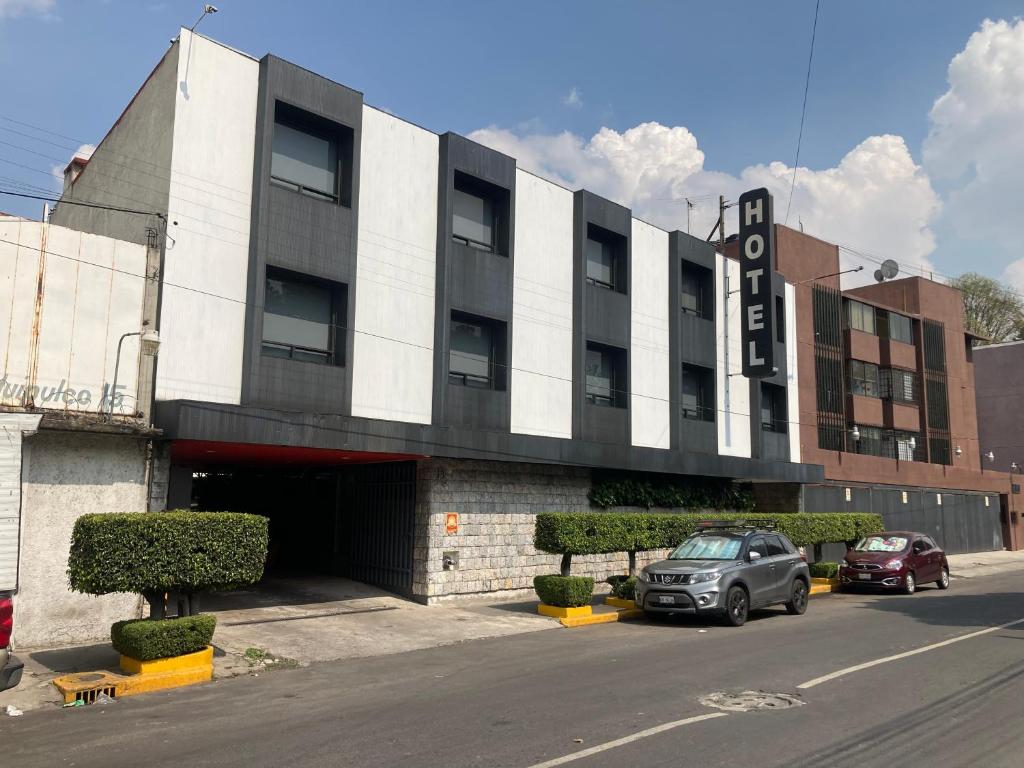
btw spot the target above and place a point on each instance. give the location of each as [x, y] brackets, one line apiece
[750, 701]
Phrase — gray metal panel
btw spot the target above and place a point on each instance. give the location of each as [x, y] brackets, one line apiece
[190, 420]
[588, 303]
[607, 316]
[696, 341]
[774, 446]
[479, 282]
[470, 407]
[699, 436]
[304, 234]
[472, 280]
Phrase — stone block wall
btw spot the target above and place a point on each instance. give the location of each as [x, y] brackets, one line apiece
[496, 503]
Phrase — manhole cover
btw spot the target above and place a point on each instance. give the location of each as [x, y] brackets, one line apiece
[750, 701]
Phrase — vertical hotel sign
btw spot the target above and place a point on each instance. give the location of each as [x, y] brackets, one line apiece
[757, 260]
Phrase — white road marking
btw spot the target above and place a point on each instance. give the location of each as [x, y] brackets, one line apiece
[905, 654]
[627, 740]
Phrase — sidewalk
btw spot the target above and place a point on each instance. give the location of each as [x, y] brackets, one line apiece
[984, 563]
[297, 622]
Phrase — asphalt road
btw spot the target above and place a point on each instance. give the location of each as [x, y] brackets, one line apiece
[531, 699]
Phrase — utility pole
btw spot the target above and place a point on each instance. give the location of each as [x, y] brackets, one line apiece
[721, 224]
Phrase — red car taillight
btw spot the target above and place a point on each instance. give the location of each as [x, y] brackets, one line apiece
[803, 553]
[6, 621]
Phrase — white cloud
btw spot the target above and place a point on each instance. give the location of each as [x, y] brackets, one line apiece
[14, 8]
[573, 99]
[876, 199]
[84, 150]
[975, 145]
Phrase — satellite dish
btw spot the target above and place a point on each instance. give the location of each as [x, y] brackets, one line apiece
[879, 277]
[889, 269]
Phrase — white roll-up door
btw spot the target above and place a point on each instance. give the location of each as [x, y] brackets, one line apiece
[13, 427]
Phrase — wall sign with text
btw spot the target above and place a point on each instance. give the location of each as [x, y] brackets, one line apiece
[757, 261]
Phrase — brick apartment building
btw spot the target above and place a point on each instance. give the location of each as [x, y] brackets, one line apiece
[887, 404]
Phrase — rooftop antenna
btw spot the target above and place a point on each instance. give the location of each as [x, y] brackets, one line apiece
[207, 10]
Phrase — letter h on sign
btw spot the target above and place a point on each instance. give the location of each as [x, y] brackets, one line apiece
[757, 309]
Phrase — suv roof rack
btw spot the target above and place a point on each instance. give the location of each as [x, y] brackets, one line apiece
[720, 525]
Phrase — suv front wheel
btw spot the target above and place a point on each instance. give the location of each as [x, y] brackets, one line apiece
[797, 604]
[737, 606]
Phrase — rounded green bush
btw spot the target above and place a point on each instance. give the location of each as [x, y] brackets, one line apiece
[824, 570]
[564, 591]
[148, 639]
[165, 551]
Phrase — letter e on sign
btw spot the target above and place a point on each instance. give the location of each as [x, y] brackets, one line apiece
[451, 522]
[757, 261]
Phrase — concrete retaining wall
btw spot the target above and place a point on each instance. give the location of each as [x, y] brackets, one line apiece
[65, 475]
[496, 503]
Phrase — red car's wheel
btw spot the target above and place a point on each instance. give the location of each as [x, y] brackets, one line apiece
[909, 584]
[943, 582]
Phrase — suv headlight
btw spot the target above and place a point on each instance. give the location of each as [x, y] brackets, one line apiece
[644, 577]
[697, 578]
[894, 565]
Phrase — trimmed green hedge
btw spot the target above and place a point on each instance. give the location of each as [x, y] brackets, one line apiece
[656, 491]
[148, 639]
[564, 591]
[623, 586]
[594, 533]
[824, 570]
[162, 551]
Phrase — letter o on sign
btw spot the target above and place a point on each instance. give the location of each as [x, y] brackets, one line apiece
[754, 247]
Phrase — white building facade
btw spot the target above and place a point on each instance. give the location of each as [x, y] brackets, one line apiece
[386, 327]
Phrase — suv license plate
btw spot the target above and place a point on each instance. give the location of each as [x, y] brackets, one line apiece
[666, 600]
[864, 576]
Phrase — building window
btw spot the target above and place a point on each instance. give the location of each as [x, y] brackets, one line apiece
[870, 441]
[905, 446]
[895, 326]
[605, 255]
[860, 316]
[476, 352]
[301, 318]
[309, 153]
[698, 393]
[899, 385]
[773, 407]
[605, 370]
[863, 378]
[479, 212]
[695, 291]
[780, 320]
[939, 449]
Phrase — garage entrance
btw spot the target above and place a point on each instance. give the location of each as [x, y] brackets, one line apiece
[353, 520]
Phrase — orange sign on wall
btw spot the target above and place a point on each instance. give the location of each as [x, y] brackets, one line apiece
[451, 522]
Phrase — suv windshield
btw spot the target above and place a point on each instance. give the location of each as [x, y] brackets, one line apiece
[725, 546]
[881, 544]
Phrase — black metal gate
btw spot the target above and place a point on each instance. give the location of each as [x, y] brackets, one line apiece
[374, 531]
[960, 522]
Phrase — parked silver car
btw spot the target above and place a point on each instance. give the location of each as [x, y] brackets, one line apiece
[726, 569]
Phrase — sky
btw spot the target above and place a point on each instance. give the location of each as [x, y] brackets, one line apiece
[913, 139]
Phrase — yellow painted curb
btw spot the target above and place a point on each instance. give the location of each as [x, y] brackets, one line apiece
[619, 602]
[823, 586]
[602, 618]
[556, 612]
[147, 676]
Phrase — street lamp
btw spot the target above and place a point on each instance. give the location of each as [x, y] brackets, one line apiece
[149, 344]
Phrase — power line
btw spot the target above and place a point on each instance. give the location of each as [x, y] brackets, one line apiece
[803, 111]
[84, 205]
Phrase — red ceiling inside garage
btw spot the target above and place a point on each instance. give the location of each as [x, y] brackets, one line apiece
[197, 452]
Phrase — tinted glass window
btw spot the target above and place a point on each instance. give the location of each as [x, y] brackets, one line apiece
[297, 319]
[473, 219]
[774, 545]
[304, 159]
[472, 353]
[757, 544]
[900, 328]
[600, 263]
[697, 393]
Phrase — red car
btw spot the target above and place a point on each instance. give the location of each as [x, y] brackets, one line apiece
[895, 560]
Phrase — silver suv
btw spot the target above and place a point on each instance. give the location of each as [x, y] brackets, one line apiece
[726, 569]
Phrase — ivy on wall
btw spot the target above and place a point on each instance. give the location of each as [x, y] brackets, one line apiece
[669, 491]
